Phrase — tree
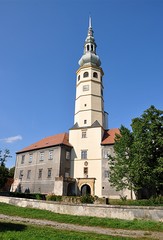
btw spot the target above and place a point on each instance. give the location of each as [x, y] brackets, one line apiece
[11, 172]
[121, 175]
[3, 176]
[4, 172]
[138, 161]
[148, 152]
[4, 156]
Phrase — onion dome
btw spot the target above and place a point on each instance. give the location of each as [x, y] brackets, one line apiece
[89, 55]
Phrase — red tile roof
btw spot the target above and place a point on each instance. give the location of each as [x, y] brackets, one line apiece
[109, 136]
[58, 139]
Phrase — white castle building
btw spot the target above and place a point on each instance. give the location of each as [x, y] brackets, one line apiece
[74, 163]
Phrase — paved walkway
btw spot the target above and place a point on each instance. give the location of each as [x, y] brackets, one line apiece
[79, 228]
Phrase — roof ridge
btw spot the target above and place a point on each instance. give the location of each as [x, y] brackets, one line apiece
[54, 140]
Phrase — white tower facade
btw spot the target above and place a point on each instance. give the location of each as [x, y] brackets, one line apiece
[89, 104]
[89, 121]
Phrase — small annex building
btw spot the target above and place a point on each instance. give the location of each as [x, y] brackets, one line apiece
[74, 163]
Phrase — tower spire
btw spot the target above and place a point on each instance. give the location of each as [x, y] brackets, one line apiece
[90, 30]
[90, 56]
[90, 22]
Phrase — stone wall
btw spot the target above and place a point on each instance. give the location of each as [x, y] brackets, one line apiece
[108, 211]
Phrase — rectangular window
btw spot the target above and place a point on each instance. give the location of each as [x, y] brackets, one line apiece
[85, 172]
[49, 172]
[40, 173]
[50, 154]
[30, 158]
[29, 174]
[84, 134]
[106, 174]
[21, 174]
[85, 87]
[83, 154]
[41, 156]
[23, 158]
[67, 155]
[85, 121]
[67, 172]
[106, 153]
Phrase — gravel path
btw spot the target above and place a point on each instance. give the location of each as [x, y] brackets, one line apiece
[79, 228]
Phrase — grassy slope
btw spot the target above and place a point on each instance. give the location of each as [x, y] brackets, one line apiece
[15, 231]
[81, 220]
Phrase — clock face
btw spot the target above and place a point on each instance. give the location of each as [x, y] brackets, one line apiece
[85, 163]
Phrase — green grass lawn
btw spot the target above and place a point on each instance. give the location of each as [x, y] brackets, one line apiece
[17, 231]
[80, 220]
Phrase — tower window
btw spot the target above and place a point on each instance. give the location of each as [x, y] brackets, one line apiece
[91, 47]
[83, 154]
[85, 121]
[78, 77]
[85, 87]
[85, 172]
[86, 74]
[87, 47]
[95, 75]
[84, 134]
[101, 92]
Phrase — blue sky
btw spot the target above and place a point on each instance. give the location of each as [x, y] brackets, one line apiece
[41, 42]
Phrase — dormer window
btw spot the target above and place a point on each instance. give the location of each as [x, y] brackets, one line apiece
[95, 75]
[86, 74]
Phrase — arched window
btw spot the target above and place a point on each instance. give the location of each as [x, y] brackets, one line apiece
[91, 47]
[86, 74]
[95, 75]
[87, 47]
[78, 77]
[101, 92]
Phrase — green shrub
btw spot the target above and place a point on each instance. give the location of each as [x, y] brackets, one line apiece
[87, 199]
[156, 200]
[53, 197]
[123, 198]
[38, 196]
[153, 201]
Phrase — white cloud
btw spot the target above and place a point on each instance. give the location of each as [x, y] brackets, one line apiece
[12, 139]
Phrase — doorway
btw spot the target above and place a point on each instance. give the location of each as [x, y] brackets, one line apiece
[85, 190]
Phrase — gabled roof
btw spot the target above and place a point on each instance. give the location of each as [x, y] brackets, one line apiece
[75, 126]
[109, 136]
[58, 139]
[96, 124]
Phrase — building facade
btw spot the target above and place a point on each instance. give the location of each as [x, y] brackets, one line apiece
[79, 164]
[44, 167]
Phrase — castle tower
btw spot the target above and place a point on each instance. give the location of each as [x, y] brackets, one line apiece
[89, 120]
[89, 105]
